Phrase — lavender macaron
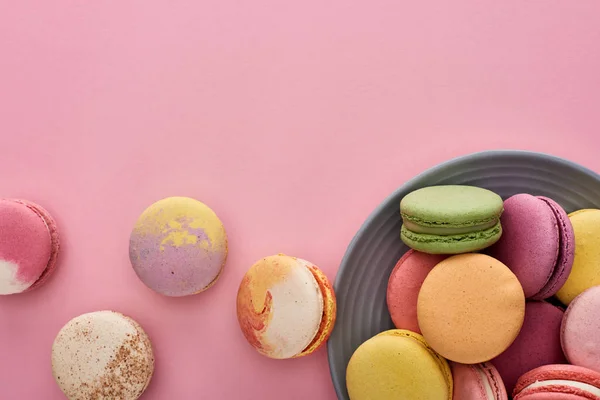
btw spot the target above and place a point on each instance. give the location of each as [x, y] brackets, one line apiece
[178, 247]
[537, 244]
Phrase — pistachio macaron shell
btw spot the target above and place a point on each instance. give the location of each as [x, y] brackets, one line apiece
[398, 364]
[450, 219]
[451, 206]
[451, 244]
[585, 272]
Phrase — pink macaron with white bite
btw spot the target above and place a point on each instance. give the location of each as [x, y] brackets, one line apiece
[29, 245]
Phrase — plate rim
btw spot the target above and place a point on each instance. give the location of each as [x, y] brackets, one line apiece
[386, 202]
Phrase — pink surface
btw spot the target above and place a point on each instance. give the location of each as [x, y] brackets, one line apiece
[292, 120]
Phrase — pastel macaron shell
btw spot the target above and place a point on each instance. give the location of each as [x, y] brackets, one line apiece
[586, 265]
[102, 355]
[178, 246]
[398, 364]
[450, 219]
[537, 244]
[580, 330]
[537, 344]
[29, 245]
[404, 285]
[470, 308]
[559, 382]
[285, 307]
[477, 382]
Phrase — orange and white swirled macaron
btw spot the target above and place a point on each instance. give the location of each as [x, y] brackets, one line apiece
[286, 307]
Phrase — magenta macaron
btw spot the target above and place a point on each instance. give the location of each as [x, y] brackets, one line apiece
[29, 245]
[477, 382]
[580, 330]
[404, 285]
[537, 244]
[537, 344]
[558, 382]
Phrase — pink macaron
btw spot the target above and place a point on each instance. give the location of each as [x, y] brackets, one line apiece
[558, 382]
[537, 244]
[477, 382]
[537, 344]
[581, 328]
[404, 284]
[29, 245]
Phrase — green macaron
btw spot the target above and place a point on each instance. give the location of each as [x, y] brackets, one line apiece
[451, 219]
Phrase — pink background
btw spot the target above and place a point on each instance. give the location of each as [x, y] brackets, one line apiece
[292, 119]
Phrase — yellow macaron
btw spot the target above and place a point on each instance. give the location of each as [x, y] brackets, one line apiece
[398, 364]
[586, 265]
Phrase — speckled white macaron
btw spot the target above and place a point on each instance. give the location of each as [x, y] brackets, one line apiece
[102, 355]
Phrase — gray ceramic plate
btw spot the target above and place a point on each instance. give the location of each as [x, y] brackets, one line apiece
[361, 281]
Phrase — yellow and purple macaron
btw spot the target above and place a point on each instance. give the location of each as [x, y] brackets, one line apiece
[398, 364]
[285, 307]
[29, 245]
[102, 355]
[178, 247]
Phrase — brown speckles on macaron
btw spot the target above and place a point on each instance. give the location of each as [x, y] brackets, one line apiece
[107, 356]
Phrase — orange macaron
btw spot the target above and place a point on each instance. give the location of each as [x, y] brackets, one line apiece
[470, 308]
[286, 307]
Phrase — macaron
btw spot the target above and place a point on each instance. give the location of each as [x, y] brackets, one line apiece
[558, 382]
[286, 307]
[398, 364]
[102, 355]
[470, 308]
[538, 343]
[29, 245]
[586, 265]
[477, 382]
[580, 330]
[178, 247]
[404, 285]
[450, 219]
[537, 244]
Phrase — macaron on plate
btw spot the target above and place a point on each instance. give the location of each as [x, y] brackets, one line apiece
[29, 246]
[469, 262]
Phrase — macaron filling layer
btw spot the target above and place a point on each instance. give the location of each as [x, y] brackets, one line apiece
[329, 313]
[428, 238]
[448, 229]
[490, 392]
[586, 387]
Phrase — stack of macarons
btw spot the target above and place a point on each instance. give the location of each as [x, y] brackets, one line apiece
[480, 297]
